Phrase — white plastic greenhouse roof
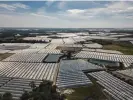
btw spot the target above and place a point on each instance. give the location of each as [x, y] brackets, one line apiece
[37, 38]
[93, 45]
[103, 51]
[71, 45]
[15, 44]
[66, 34]
[105, 56]
[68, 40]
[51, 51]
[108, 51]
[114, 87]
[4, 51]
[57, 41]
[39, 45]
[26, 57]
[78, 39]
[37, 71]
[52, 46]
[25, 51]
[29, 45]
[131, 42]
[126, 39]
[16, 86]
[102, 37]
[127, 72]
[71, 73]
[127, 64]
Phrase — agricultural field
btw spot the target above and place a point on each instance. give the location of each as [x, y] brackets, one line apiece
[81, 93]
[5, 55]
[122, 48]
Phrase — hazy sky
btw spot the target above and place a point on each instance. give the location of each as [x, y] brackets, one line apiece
[67, 14]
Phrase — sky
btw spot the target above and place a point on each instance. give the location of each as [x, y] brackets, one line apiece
[67, 14]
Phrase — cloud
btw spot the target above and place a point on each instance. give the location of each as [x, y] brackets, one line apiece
[49, 3]
[75, 11]
[120, 7]
[42, 15]
[113, 14]
[110, 9]
[20, 5]
[129, 17]
[34, 20]
[62, 5]
[14, 6]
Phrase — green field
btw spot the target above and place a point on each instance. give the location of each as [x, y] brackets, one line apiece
[82, 92]
[125, 49]
[5, 55]
[79, 94]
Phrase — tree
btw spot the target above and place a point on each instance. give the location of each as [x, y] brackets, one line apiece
[25, 96]
[69, 54]
[62, 97]
[32, 85]
[45, 91]
[0, 96]
[7, 96]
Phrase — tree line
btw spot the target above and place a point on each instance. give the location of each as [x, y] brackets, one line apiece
[45, 91]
